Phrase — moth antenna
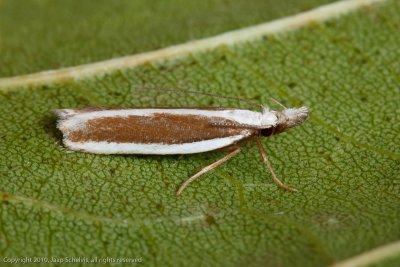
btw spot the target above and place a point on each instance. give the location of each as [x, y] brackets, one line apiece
[277, 102]
[163, 89]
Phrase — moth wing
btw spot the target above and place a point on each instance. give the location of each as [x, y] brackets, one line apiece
[64, 113]
[154, 148]
[148, 131]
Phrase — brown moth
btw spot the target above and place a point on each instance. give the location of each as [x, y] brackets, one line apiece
[164, 131]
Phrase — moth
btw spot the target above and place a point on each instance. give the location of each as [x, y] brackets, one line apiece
[166, 131]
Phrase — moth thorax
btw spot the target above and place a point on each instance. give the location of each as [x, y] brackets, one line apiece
[287, 118]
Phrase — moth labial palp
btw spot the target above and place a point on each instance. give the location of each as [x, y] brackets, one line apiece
[166, 131]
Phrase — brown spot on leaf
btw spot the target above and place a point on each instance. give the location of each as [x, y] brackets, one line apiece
[209, 218]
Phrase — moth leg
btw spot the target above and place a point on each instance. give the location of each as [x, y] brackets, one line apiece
[207, 169]
[268, 164]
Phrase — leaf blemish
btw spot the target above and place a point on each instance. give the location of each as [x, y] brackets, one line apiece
[5, 196]
[160, 206]
[292, 85]
[209, 219]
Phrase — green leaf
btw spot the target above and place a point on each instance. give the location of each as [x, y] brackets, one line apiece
[41, 35]
[344, 160]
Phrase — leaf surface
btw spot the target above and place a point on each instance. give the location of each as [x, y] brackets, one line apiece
[42, 35]
[344, 160]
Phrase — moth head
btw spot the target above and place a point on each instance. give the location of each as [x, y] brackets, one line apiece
[287, 119]
[294, 116]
